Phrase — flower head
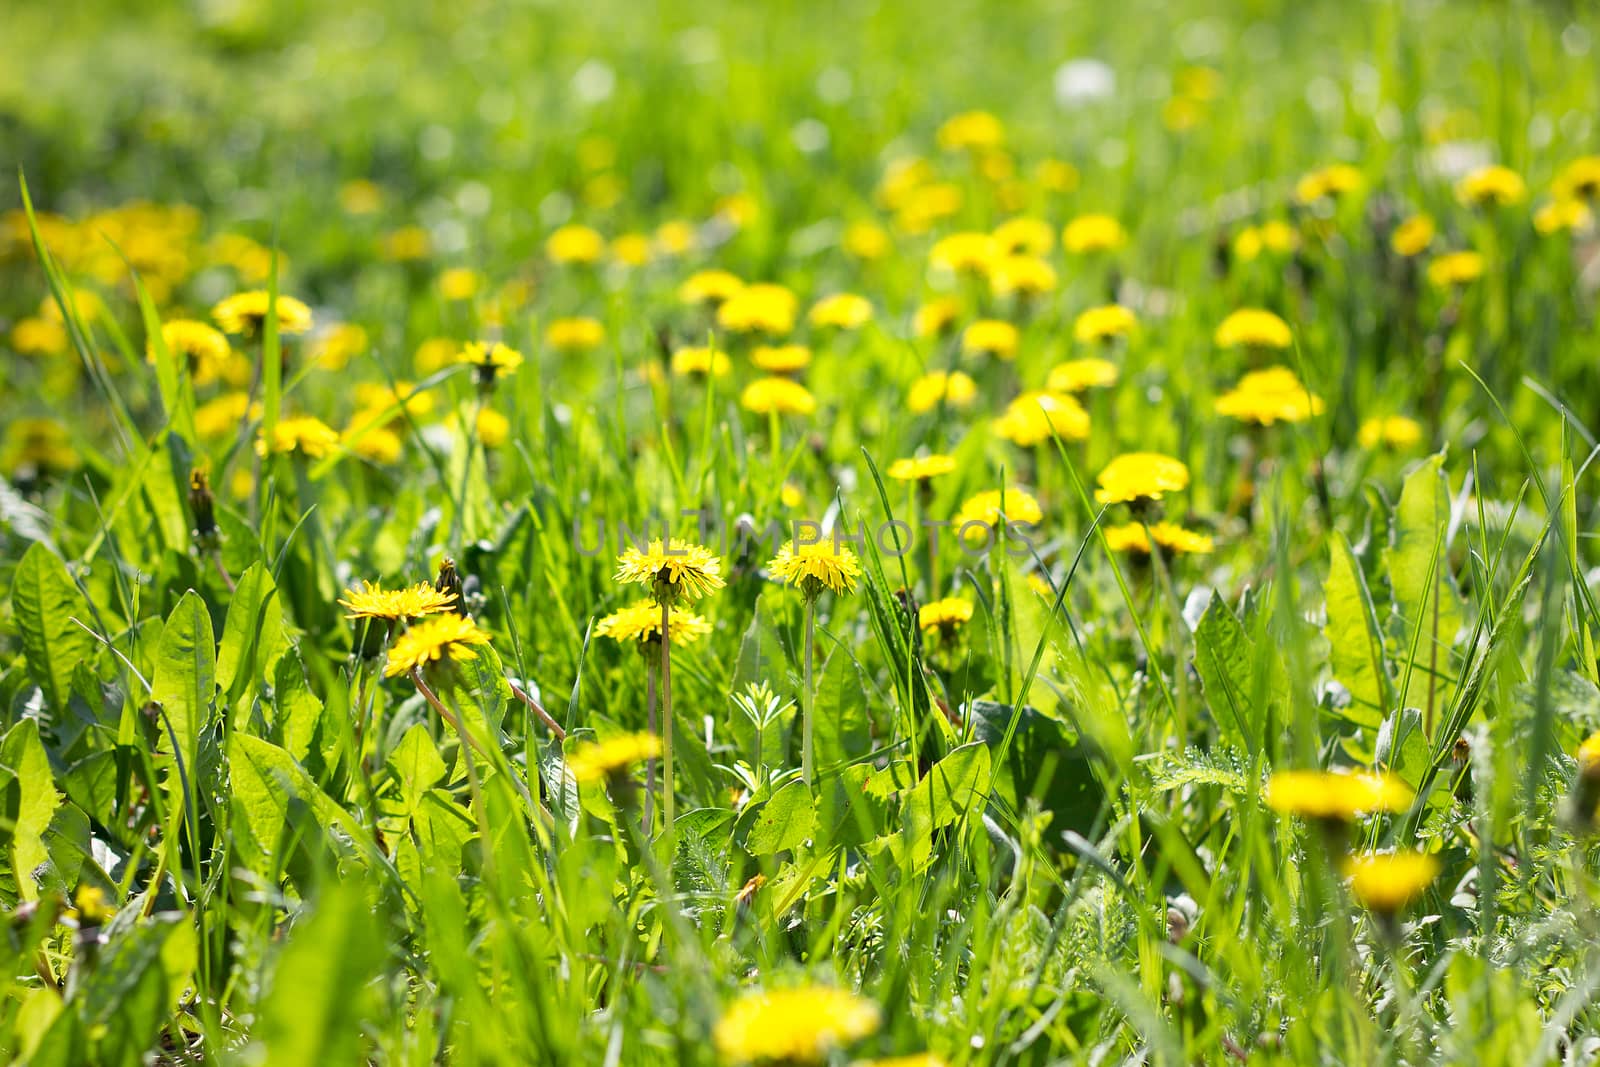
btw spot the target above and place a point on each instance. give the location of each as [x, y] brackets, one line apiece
[575, 244]
[202, 348]
[1413, 236]
[1335, 795]
[594, 761]
[981, 514]
[1562, 214]
[1455, 269]
[1493, 185]
[775, 394]
[305, 434]
[1578, 180]
[967, 252]
[640, 623]
[921, 468]
[1025, 275]
[843, 311]
[244, 313]
[1140, 476]
[1081, 375]
[578, 334]
[1253, 328]
[709, 287]
[1035, 417]
[1388, 882]
[944, 615]
[1025, 235]
[935, 317]
[802, 1025]
[491, 361]
[760, 308]
[1389, 431]
[438, 638]
[1093, 233]
[954, 389]
[990, 337]
[1131, 537]
[1104, 323]
[971, 131]
[1267, 396]
[369, 601]
[781, 359]
[674, 570]
[699, 361]
[815, 565]
[1328, 183]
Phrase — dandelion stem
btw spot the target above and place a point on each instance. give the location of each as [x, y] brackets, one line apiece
[538, 710]
[668, 801]
[807, 718]
[649, 764]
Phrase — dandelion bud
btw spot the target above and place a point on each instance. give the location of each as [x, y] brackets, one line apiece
[1584, 807]
[449, 580]
[203, 506]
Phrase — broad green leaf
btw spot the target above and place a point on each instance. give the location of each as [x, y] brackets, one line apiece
[139, 979]
[321, 997]
[45, 602]
[417, 766]
[952, 787]
[1243, 685]
[1431, 614]
[252, 636]
[842, 729]
[1402, 747]
[1045, 763]
[296, 709]
[1354, 639]
[25, 768]
[185, 684]
[267, 784]
[784, 822]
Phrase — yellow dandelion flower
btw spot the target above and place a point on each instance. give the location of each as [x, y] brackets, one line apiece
[671, 570]
[579, 334]
[700, 362]
[781, 359]
[1389, 882]
[866, 240]
[361, 196]
[370, 601]
[1578, 180]
[1131, 537]
[432, 640]
[575, 244]
[1413, 236]
[921, 468]
[435, 354]
[971, 131]
[955, 389]
[1588, 754]
[944, 615]
[983, 513]
[804, 1025]
[936, 317]
[1329, 183]
[824, 563]
[1025, 235]
[1267, 396]
[843, 311]
[491, 361]
[334, 348]
[1389, 431]
[1035, 417]
[782, 395]
[1335, 795]
[1093, 233]
[1080, 375]
[1140, 476]
[991, 337]
[202, 348]
[675, 237]
[244, 313]
[306, 434]
[1564, 214]
[709, 287]
[964, 253]
[594, 761]
[631, 249]
[1492, 186]
[39, 336]
[460, 283]
[222, 416]
[759, 308]
[34, 446]
[1022, 275]
[406, 244]
[1455, 269]
[494, 429]
[1104, 323]
[1253, 328]
[641, 622]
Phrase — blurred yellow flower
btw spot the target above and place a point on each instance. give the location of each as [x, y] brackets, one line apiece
[244, 313]
[575, 244]
[1493, 185]
[1080, 375]
[460, 283]
[1056, 176]
[782, 395]
[981, 514]
[1027, 275]
[1275, 236]
[971, 131]
[1335, 795]
[1454, 269]
[675, 237]
[37, 446]
[1413, 236]
[1140, 476]
[631, 249]
[1328, 183]
[406, 244]
[578, 334]
[944, 615]
[39, 336]
[1130, 537]
[935, 317]
[594, 761]
[709, 287]
[700, 361]
[1275, 394]
[305, 434]
[1025, 235]
[1578, 180]
[1253, 328]
[990, 337]
[844, 311]
[921, 468]
[197, 347]
[866, 240]
[1389, 882]
[794, 1026]
[1391, 431]
[967, 252]
[361, 196]
[1104, 323]
[1034, 417]
[781, 359]
[640, 622]
[334, 347]
[1561, 215]
[759, 308]
[955, 389]
[491, 361]
[1093, 233]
